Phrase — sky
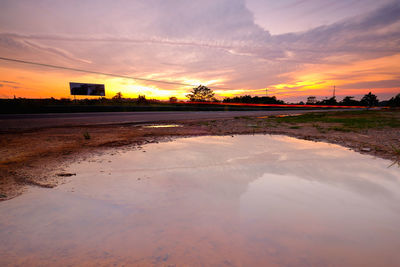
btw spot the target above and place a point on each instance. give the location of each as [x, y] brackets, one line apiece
[291, 49]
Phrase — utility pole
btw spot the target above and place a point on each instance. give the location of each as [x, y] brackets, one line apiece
[266, 91]
[334, 90]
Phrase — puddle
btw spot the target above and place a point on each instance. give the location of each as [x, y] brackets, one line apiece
[279, 116]
[241, 201]
[162, 126]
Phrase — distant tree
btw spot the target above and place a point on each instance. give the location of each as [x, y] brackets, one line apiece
[311, 100]
[370, 100]
[173, 99]
[201, 94]
[349, 101]
[118, 96]
[103, 99]
[141, 99]
[64, 100]
[394, 101]
[245, 99]
[329, 101]
[253, 100]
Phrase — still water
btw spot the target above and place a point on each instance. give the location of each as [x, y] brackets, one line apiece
[220, 201]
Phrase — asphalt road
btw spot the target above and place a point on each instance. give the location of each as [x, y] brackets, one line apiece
[9, 122]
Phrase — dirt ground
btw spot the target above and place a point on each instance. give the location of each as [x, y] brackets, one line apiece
[38, 157]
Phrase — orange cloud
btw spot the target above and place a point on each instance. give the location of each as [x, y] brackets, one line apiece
[319, 79]
[41, 83]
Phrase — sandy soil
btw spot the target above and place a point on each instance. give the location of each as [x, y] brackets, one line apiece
[39, 157]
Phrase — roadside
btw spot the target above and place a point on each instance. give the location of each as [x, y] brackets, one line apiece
[37, 157]
[21, 122]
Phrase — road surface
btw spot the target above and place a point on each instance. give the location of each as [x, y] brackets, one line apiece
[9, 122]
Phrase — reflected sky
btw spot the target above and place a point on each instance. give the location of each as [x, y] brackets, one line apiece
[239, 201]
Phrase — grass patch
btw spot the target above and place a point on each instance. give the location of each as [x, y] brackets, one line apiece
[206, 123]
[86, 135]
[349, 120]
[295, 127]
[396, 150]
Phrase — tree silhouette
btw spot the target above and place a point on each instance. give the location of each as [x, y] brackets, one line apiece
[329, 101]
[142, 99]
[349, 101]
[201, 94]
[173, 99]
[118, 96]
[395, 101]
[370, 100]
[311, 100]
[253, 100]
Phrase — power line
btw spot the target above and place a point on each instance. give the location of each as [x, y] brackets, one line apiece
[97, 72]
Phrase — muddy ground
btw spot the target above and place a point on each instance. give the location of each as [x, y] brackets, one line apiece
[38, 157]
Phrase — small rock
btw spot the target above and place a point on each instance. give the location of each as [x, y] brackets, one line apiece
[366, 149]
[66, 174]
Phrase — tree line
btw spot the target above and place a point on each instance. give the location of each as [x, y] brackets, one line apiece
[367, 100]
[205, 94]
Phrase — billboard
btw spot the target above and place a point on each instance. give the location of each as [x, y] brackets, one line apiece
[87, 89]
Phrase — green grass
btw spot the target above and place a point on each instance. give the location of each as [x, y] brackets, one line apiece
[396, 150]
[349, 120]
[206, 123]
[86, 135]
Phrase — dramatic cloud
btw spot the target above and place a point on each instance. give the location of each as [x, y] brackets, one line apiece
[216, 42]
[9, 82]
[373, 35]
[286, 16]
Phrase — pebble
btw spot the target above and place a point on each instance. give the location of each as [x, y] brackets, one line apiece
[366, 149]
[66, 174]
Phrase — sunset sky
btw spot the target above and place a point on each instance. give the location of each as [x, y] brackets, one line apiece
[293, 48]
